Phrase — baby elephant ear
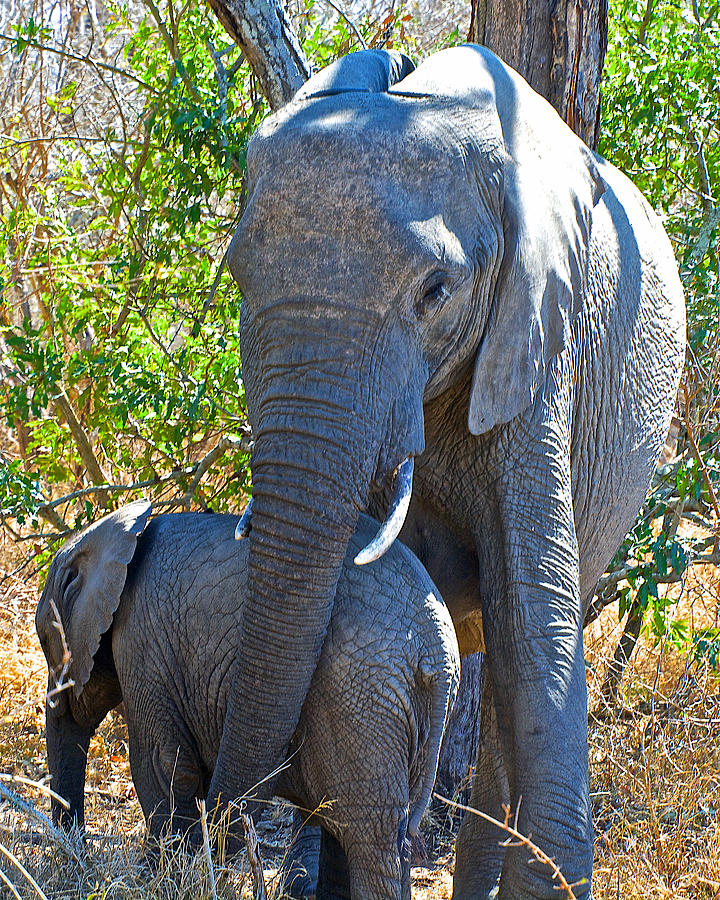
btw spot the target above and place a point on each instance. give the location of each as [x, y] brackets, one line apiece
[84, 584]
[550, 186]
[368, 71]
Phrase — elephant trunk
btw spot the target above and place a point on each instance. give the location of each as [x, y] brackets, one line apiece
[329, 416]
[67, 749]
[308, 490]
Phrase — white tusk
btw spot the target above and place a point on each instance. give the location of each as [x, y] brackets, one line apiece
[244, 526]
[399, 503]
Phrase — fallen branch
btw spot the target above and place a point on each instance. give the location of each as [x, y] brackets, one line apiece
[60, 838]
[19, 779]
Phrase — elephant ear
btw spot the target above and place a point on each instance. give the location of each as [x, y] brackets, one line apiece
[83, 587]
[369, 71]
[550, 184]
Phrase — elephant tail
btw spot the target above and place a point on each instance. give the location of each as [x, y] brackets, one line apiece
[441, 686]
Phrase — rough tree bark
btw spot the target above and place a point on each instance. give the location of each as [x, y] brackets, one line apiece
[558, 46]
[262, 30]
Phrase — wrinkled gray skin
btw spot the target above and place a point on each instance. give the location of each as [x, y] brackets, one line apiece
[171, 596]
[434, 265]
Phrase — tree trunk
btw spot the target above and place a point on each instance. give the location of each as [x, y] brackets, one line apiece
[558, 47]
[263, 32]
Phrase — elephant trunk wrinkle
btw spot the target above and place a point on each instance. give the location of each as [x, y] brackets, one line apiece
[302, 521]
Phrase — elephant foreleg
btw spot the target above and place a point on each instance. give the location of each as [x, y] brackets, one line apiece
[532, 622]
[67, 747]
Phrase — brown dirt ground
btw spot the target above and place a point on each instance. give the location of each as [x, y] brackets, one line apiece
[655, 777]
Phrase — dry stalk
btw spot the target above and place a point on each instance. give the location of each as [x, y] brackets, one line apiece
[10, 886]
[206, 847]
[253, 854]
[518, 839]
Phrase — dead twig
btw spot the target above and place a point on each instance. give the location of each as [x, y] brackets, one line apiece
[253, 854]
[206, 848]
[518, 839]
[60, 679]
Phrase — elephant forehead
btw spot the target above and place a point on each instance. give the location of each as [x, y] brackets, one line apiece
[356, 194]
[356, 124]
[290, 241]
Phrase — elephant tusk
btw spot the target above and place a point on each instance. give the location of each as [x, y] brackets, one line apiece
[244, 526]
[399, 503]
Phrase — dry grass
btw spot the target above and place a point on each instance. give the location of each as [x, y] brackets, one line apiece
[654, 767]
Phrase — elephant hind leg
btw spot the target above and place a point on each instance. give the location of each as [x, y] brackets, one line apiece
[168, 778]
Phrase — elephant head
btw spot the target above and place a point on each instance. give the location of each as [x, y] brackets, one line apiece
[399, 235]
[81, 594]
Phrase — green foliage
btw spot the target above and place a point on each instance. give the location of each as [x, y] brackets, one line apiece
[112, 245]
[661, 121]
[661, 105]
[122, 245]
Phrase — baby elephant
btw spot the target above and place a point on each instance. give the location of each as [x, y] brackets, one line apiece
[149, 612]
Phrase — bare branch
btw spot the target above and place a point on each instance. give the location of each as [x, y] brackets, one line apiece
[96, 64]
[226, 442]
[349, 22]
[87, 454]
[519, 839]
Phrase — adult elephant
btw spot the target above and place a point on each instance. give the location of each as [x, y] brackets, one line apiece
[435, 268]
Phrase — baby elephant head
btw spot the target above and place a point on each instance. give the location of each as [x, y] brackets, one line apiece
[81, 595]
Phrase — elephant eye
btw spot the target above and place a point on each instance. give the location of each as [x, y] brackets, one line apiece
[433, 297]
